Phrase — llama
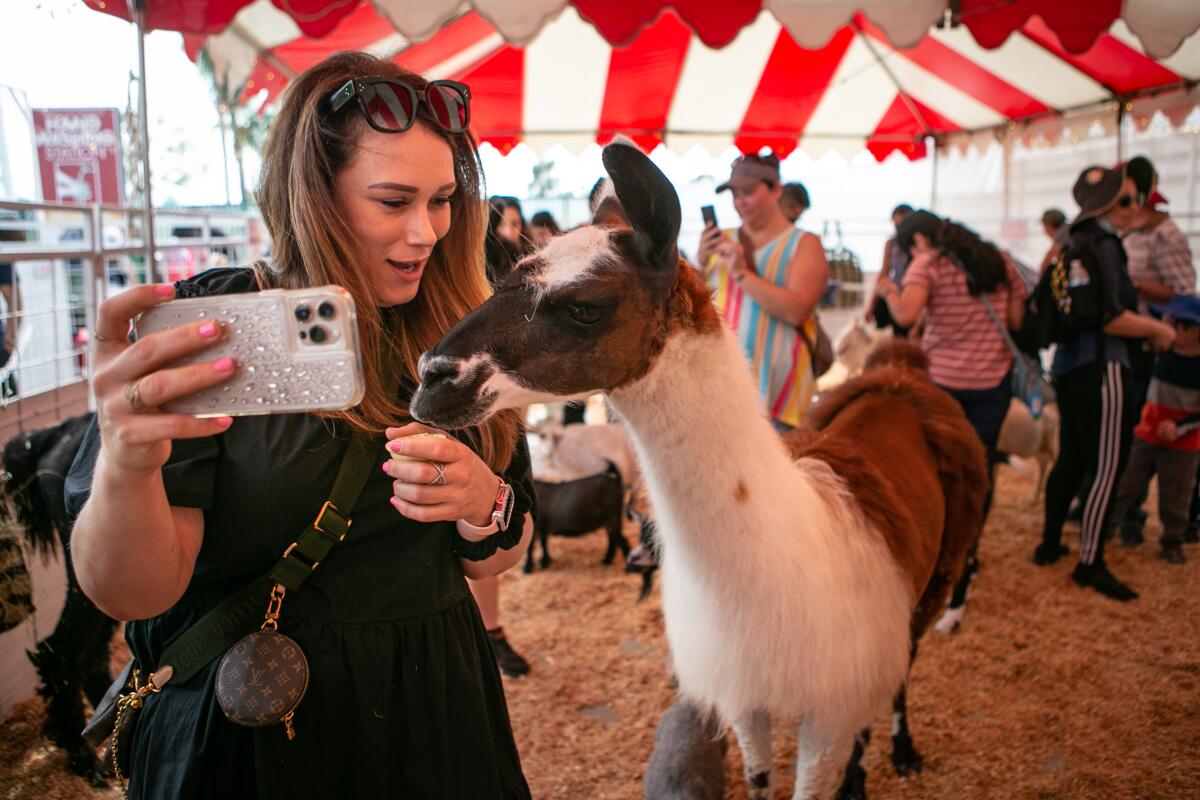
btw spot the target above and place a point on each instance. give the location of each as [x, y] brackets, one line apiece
[797, 574]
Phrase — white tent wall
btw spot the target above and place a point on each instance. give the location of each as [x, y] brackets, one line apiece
[859, 193]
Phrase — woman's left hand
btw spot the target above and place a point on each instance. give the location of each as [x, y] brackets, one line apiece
[885, 286]
[449, 482]
[735, 259]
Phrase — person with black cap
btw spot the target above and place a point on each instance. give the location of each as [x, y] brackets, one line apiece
[1092, 377]
[767, 278]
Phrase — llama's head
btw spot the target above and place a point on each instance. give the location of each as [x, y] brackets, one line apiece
[588, 313]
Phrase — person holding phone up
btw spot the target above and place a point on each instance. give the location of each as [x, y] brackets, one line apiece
[767, 278]
[370, 181]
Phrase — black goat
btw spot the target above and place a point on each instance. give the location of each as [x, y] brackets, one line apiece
[573, 508]
[73, 660]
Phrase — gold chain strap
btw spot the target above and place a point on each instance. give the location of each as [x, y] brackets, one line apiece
[125, 704]
[271, 623]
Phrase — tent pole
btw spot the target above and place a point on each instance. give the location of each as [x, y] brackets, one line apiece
[1006, 177]
[139, 16]
[1120, 125]
[933, 183]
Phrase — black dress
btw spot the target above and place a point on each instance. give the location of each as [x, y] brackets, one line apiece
[405, 699]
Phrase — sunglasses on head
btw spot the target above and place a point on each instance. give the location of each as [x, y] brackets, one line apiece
[390, 105]
[1127, 200]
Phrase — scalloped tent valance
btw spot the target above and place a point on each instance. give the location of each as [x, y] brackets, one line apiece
[779, 74]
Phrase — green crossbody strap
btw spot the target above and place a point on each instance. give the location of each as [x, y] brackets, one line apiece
[220, 629]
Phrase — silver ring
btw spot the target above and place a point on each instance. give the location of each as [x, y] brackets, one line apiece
[100, 337]
[440, 478]
[131, 394]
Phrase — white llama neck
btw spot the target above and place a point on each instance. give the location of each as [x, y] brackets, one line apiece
[705, 444]
[766, 561]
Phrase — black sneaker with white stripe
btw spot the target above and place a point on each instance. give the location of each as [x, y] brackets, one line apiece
[1099, 578]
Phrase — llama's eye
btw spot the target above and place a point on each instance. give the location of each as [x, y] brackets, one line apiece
[584, 315]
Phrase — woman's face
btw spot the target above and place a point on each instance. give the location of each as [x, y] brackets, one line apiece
[511, 229]
[757, 204]
[395, 194]
[1121, 216]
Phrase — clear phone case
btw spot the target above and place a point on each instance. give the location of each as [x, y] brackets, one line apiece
[296, 350]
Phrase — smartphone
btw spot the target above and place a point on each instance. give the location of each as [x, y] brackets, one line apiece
[709, 214]
[296, 350]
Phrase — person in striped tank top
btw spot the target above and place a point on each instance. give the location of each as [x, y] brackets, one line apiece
[767, 278]
[951, 270]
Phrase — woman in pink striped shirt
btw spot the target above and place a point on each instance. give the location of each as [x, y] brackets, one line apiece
[952, 270]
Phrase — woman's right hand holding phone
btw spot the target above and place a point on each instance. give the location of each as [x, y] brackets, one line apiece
[131, 381]
[710, 240]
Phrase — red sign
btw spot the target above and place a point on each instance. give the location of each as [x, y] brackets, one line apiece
[79, 152]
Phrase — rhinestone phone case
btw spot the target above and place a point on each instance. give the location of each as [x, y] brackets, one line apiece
[296, 350]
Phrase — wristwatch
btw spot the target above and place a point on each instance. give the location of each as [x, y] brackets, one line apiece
[502, 509]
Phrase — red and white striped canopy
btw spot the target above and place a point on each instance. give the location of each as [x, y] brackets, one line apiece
[808, 73]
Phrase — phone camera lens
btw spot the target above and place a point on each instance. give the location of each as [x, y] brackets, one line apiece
[318, 334]
[303, 312]
[326, 310]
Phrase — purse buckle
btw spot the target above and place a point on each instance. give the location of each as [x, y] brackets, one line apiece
[321, 516]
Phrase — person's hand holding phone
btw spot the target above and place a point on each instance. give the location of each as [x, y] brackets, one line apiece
[710, 240]
[131, 382]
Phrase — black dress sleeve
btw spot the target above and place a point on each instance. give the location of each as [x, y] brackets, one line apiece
[519, 476]
[189, 475]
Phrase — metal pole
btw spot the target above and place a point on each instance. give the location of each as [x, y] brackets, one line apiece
[139, 17]
[1120, 124]
[934, 180]
[1007, 177]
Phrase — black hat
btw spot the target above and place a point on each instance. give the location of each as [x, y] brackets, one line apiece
[1097, 190]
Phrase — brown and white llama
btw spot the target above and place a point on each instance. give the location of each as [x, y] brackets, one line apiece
[797, 576]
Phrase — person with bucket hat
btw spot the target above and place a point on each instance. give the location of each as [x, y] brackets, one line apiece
[1092, 376]
[1167, 438]
[768, 277]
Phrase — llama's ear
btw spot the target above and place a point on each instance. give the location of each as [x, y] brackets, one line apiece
[649, 201]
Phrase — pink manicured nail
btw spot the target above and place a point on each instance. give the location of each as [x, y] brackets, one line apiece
[394, 447]
[208, 329]
[395, 503]
[225, 422]
[165, 290]
[223, 365]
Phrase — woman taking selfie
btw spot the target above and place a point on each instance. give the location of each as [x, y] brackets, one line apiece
[371, 182]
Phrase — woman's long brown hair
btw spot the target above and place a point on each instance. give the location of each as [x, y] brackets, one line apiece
[314, 245]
